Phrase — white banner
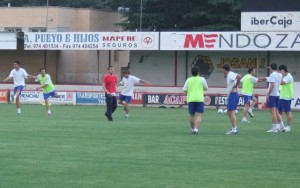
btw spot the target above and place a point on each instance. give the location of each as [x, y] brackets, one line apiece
[231, 41]
[91, 41]
[296, 101]
[270, 21]
[8, 41]
[36, 97]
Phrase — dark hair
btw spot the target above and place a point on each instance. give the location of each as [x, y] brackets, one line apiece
[226, 67]
[126, 72]
[42, 69]
[18, 62]
[273, 66]
[195, 71]
[250, 70]
[283, 67]
[110, 67]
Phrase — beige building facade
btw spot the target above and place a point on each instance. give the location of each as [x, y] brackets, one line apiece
[64, 66]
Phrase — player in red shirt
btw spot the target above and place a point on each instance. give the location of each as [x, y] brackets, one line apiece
[109, 85]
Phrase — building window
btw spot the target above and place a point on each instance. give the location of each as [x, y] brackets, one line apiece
[13, 30]
[38, 29]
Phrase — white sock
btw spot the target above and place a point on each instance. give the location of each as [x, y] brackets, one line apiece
[49, 111]
[195, 130]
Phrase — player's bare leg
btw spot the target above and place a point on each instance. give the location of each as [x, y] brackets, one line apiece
[17, 98]
[48, 107]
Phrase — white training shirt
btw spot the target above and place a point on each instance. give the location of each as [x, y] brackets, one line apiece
[276, 78]
[18, 76]
[129, 85]
[231, 81]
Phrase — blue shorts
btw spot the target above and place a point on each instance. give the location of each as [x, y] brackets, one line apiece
[196, 107]
[48, 95]
[247, 99]
[284, 105]
[232, 101]
[273, 102]
[20, 88]
[127, 99]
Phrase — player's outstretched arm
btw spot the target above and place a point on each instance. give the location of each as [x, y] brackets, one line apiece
[145, 82]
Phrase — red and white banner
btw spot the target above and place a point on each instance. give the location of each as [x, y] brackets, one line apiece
[3, 96]
[91, 41]
[230, 41]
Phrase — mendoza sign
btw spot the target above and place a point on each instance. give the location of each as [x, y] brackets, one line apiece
[8, 41]
[231, 41]
[91, 41]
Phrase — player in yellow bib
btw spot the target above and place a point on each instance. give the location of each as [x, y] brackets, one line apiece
[47, 87]
[286, 96]
[248, 87]
[194, 88]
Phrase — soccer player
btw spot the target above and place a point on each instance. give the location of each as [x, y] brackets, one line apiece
[286, 96]
[128, 81]
[233, 80]
[18, 75]
[194, 88]
[248, 84]
[47, 87]
[109, 85]
[272, 98]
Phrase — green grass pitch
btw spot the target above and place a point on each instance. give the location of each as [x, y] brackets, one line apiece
[78, 147]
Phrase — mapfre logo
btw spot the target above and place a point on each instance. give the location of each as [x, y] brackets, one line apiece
[200, 40]
[148, 41]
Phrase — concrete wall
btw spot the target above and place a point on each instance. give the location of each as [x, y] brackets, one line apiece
[158, 67]
[72, 67]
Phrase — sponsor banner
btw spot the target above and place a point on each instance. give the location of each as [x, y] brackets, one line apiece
[8, 41]
[90, 98]
[231, 41]
[91, 41]
[98, 98]
[3, 96]
[296, 102]
[36, 97]
[270, 21]
[180, 99]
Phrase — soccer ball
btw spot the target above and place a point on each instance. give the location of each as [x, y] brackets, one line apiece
[236, 111]
[220, 111]
[225, 111]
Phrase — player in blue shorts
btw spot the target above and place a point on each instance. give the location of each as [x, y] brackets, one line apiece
[233, 80]
[272, 98]
[47, 87]
[286, 96]
[18, 75]
[194, 88]
[128, 81]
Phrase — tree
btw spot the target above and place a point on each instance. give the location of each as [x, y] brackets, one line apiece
[160, 15]
[191, 15]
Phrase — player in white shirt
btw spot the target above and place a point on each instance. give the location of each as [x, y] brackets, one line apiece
[18, 75]
[233, 80]
[128, 82]
[272, 97]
